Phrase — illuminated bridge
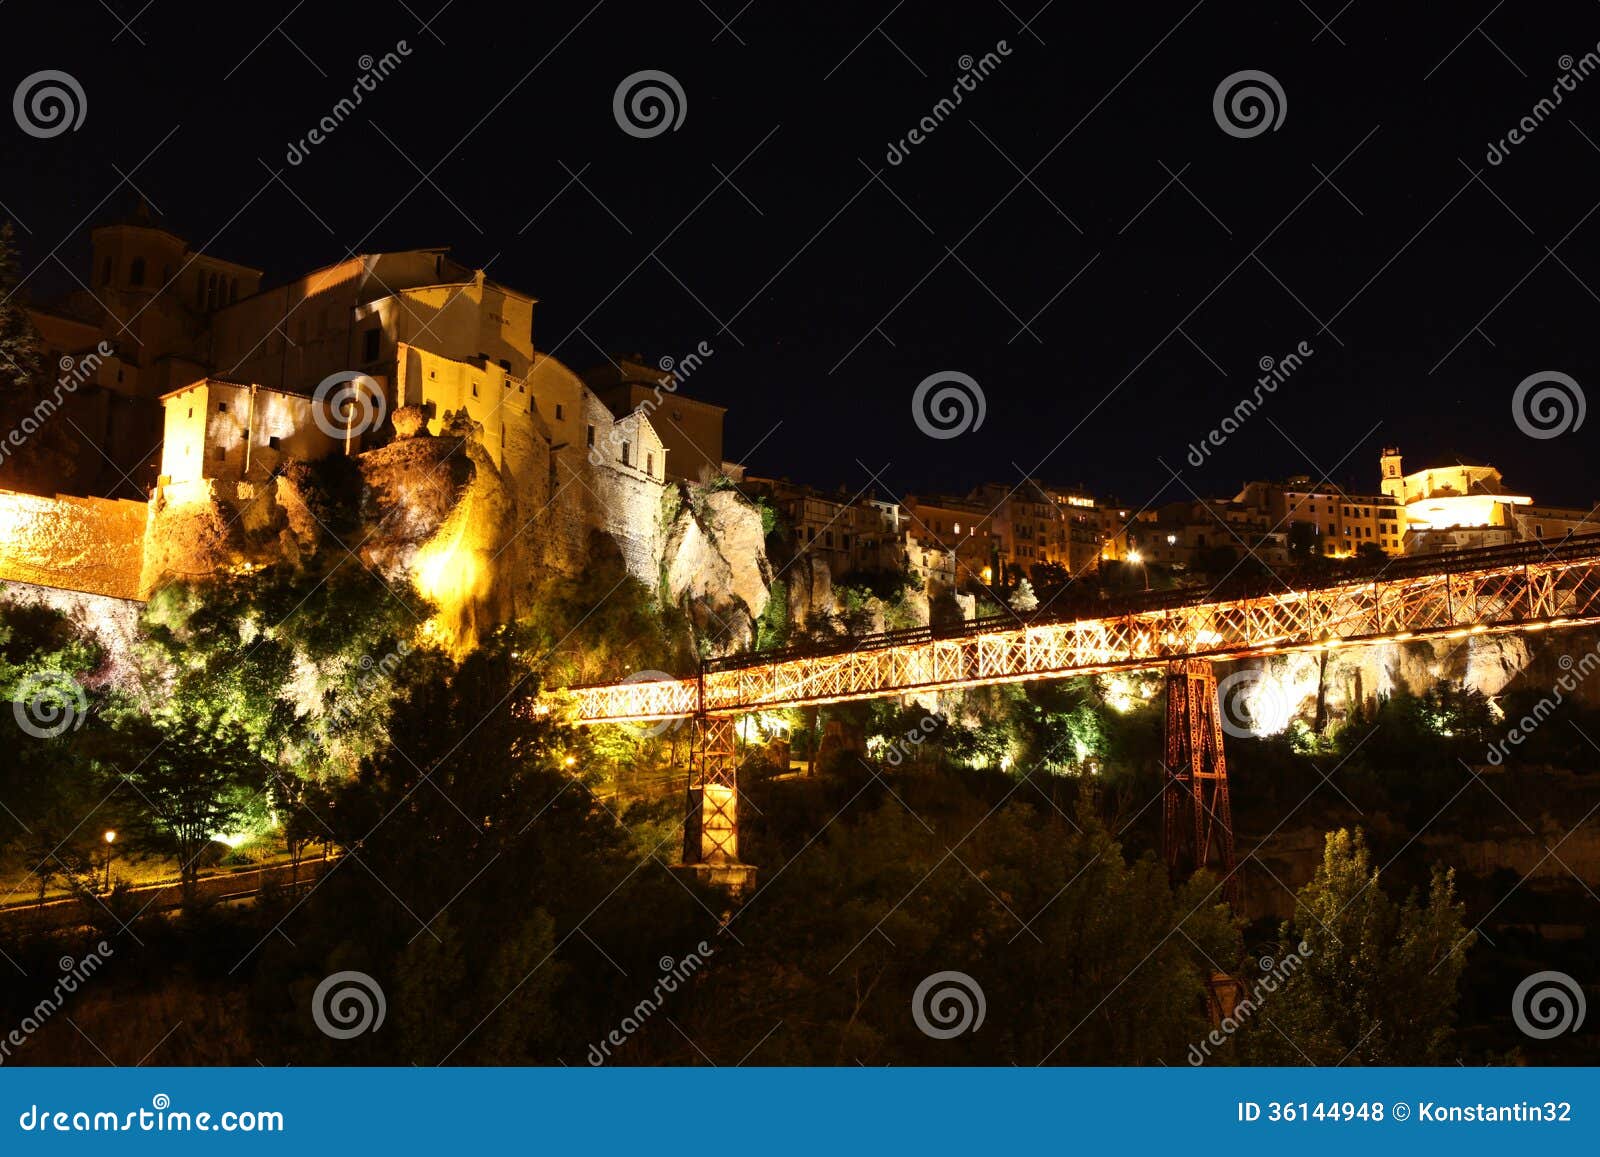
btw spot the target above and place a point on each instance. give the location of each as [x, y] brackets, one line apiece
[1525, 587]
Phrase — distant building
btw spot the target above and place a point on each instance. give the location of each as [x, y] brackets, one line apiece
[691, 430]
[1455, 507]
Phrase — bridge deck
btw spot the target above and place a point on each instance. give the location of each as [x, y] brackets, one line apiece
[1526, 587]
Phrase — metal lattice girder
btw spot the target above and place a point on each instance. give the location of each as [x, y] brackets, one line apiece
[711, 834]
[1559, 590]
[1197, 828]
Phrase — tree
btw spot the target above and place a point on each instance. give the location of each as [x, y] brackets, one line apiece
[20, 363]
[1023, 599]
[187, 779]
[1375, 983]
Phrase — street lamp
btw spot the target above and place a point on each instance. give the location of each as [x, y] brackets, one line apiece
[111, 840]
[1137, 560]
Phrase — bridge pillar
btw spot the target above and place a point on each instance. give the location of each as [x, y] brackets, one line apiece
[1197, 829]
[711, 832]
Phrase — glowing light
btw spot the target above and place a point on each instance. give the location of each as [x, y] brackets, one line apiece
[111, 836]
[1135, 557]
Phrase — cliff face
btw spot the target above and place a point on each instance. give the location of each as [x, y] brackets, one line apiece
[714, 566]
[1355, 677]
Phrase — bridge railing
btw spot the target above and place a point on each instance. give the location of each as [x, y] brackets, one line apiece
[1494, 589]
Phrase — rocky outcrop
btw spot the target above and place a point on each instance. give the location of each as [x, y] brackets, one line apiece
[714, 566]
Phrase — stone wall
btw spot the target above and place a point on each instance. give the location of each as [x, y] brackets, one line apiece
[95, 545]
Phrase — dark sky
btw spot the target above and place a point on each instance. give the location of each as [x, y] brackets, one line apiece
[830, 283]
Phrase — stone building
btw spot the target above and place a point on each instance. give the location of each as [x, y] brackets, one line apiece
[690, 429]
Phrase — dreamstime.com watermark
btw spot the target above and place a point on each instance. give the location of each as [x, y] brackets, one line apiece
[347, 1004]
[49, 103]
[374, 673]
[1573, 673]
[1248, 103]
[348, 404]
[675, 371]
[673, 975]
[1548, 404]
[372, 71]
[74, 372]
[159, 1118]
[947, 404]
[1275, 974]
[1274, 372]
[1251, 704]
[49, 703]
[947, 1004]
[1547, 1004]
[1572, 72]
[73, 974]
[897, 750]
[973, 73]
[649, 103]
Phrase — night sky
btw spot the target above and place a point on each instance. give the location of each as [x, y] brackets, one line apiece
[829, 282]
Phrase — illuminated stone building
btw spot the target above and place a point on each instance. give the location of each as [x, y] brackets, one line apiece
[1455, 507]
[690, 429]
[150, 299]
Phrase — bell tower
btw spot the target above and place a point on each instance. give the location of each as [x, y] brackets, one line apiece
[1394, 481]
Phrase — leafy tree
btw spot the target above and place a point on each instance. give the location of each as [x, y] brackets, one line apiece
[1377, 981]
[1023, 599]
[185, 780]
[20, 362]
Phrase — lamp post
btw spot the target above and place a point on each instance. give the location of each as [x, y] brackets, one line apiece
[111, 842]
[1137, 560]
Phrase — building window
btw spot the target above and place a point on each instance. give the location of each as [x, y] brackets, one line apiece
[219, 453]
[474, 389]
[561, 412]
[625, 450]
[222, 407]
[650, 465]
[369, 345]
[273, 442]
[589, 434]
[191, 411]
[105, 272]
[136, 271]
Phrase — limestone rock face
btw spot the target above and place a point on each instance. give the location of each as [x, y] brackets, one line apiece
[437, 511]
[715, 566]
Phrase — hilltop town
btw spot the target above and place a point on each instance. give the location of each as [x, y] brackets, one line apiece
[193, 415]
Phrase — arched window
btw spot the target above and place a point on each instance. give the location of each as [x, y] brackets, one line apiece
[136, 271]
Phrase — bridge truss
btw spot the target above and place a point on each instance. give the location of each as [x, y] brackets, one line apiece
[1523, 588]
[1516, 589]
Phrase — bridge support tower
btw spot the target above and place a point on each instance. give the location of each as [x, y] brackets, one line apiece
[1197, 830]
[711, 833]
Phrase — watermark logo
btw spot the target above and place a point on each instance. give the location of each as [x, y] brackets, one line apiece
[49, 103]
[1246, 1003]
[947, 404]
[1547, 1004]
[1274, 372]
[652, 729]
[674, 975]
[74, 973]
[1548, 404]
[1573, 674]
[1248, 103]
[1572, 73]
[649, 103]
[1251, 704]
[973, 73]
[372, 71]
[675, 371]
[948, 1004]
[347, 1004]
[50, 703]
[348, 404]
